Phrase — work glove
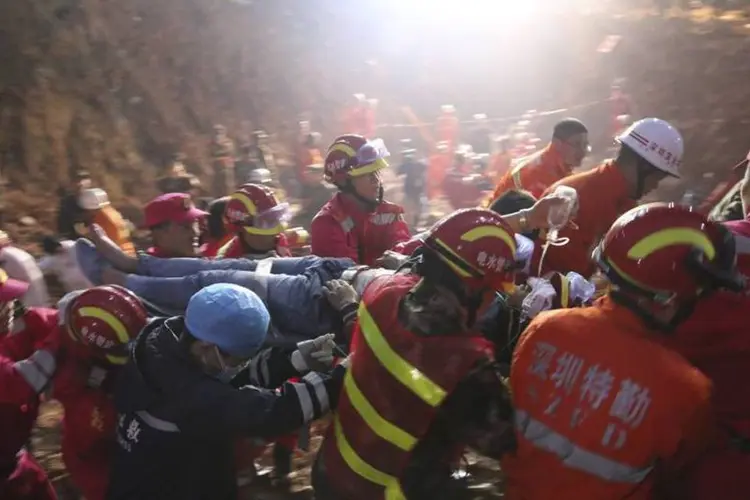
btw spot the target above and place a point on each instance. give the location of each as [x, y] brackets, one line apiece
[340, 294]
[391, 260]
[314, 355]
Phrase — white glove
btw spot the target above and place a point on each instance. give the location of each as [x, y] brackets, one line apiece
[314, 355]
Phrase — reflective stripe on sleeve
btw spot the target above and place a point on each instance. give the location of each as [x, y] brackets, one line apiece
[37, 369]
[305, 401]
[321, 394]
[575, 457]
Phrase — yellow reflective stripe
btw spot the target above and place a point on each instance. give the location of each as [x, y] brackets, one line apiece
[629, 279]
[265, 232]
[565, 292]
[674, 236]
[378, 164]
[117, 360]
[224, 249]
[372, 418]
[340, 146]
[247, 202]
[393, 491]
[111, 321]
[516, 176]
[461, 272]
[355, 462]
[417, 382]
[489, 232]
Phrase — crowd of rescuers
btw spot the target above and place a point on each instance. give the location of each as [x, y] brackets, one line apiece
[602, 368]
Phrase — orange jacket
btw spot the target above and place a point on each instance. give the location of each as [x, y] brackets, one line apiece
[114, 226]
[533, 173]
[602, 196]
[499, 165]
[602, 411]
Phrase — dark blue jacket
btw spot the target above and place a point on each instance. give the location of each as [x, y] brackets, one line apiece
[177, 426]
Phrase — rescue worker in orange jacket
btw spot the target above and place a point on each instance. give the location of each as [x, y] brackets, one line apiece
[602, 410]
[357, 223]
[258, 220]
[650, 150]
[535, 173]
[28, 345]
[100, 322]
[422, 381]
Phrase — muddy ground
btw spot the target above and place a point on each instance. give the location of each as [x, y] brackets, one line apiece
[46, 444]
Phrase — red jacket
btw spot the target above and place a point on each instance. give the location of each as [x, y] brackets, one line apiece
[342, 229]
[19, 402]
[715, 340]
[83, 388]
[741, 231]
[395, 385]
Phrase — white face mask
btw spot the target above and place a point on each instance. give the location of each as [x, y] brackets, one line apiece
[227, 373]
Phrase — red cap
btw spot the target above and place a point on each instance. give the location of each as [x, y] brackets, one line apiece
[11, 289]
[171, 207]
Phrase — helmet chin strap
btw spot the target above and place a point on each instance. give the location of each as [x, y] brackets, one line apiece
[369, 205]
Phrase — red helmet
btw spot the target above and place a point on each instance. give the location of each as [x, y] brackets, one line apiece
[478, 245]
[351, 156]
[105, 319]
[666, 251]
[255, 209]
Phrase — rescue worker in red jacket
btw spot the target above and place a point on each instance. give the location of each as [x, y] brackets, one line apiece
[357, 223]
[650, 150]
[28, 345]
[258, 220]
[602, 410]
[422, 382]
[715, 340]
[100, 322]
[173, 221]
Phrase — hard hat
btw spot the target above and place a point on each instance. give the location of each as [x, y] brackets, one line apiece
[664, 251]
[657, 142]
[478, 246]
[352, 156]
[259, 176]
[93, 199]
[255, 209]
[105, 319]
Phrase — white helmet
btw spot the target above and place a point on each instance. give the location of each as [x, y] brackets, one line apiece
[259, 176]
[93, 199]
[657, 142]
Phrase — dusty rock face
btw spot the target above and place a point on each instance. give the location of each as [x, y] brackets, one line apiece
[117, 87]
